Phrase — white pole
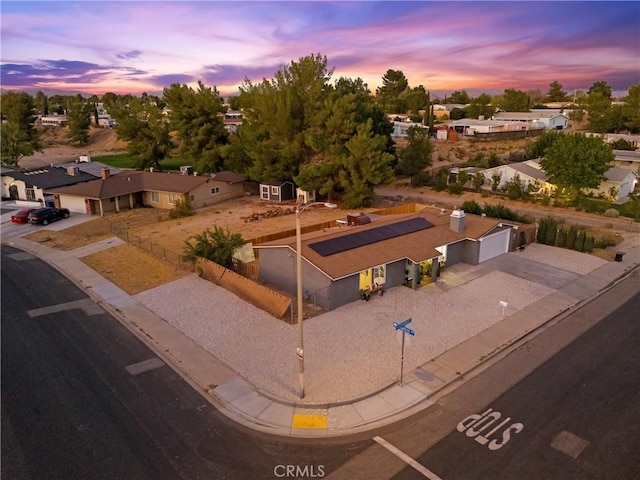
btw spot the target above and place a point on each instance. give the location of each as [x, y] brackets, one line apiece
[300, 350]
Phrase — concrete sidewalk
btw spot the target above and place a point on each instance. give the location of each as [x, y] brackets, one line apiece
[245, 403]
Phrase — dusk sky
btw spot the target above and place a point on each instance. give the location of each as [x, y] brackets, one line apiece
[134, 47]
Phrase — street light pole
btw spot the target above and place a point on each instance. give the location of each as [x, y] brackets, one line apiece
[300, 349]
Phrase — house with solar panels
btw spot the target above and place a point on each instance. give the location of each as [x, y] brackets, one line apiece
[392, 250]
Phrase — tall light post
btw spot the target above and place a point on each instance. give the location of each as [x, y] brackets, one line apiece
[300, 349]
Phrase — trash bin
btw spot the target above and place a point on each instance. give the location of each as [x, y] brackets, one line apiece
[619, 256]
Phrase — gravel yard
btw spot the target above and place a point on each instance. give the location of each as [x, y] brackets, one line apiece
[565, 259]
[350, 351]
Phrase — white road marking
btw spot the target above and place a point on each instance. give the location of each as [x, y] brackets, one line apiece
[406, 458]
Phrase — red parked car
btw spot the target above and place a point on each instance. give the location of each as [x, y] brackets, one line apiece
[21, 216]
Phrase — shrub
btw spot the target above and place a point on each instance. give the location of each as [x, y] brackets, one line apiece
[571, 236]
[454, 188]
[550, 230]
[589, 243]
[485, 194]
[217, 245]
[471, 206]
[545, 201]
[561, 239]
[580, 238]
[181, 209]
[611, 212]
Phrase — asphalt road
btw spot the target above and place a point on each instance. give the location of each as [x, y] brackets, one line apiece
[78, 403]
[569, 400]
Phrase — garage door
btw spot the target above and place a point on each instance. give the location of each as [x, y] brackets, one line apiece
[494, 245]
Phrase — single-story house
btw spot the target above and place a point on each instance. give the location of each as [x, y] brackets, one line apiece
[32, 185]
[627, 159]
[277, 191]
[227, 185]
[131, 189]
[471, 126]
[52, 120]
[400, 128]
[530, 173]
[548, 119]
[619, 182]
[393, 250]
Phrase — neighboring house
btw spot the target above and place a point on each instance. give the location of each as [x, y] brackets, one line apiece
[32, 185]
[277, 191]
[52, 120]
[400, 128]
[627, 159]
[471, 126]
[93, 168]
[232, 120]
[619, 182]
[390, 251]
[530, 173]
[547, 119]
[132, 189]
[225, 185]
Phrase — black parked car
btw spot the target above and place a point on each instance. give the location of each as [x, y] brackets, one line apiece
[47, 215]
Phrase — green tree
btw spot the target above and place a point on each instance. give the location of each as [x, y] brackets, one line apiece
[196, 116]
[555, 93]
[480, 106]
[143, 124]
[598, 107]
[18, 135]
[217, 245]
[79, 120]
[390, 93]
[41, 103]
[512, 100]
[461, 97]
[575, 162]
[417, 155]
[602, 88]
[276, 115]
[478, 181]
[631, 109]
[541, 143]
[415, 99]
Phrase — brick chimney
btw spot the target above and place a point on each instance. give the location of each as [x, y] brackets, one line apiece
[105, 173]
[456, 220]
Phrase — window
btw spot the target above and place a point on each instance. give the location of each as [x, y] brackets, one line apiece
[274, 190]
[31, 193]
[155, 197]
[379, 274]
[215, 190]
[173, 198]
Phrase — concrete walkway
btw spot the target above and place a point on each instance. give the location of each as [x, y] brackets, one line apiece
[247, 404]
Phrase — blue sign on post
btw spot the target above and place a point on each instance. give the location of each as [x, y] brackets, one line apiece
[403, 326]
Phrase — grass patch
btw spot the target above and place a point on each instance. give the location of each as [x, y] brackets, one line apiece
[126, 160]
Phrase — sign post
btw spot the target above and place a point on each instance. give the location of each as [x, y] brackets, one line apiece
[403, 326]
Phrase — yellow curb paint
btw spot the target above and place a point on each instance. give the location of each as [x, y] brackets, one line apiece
[309, 421]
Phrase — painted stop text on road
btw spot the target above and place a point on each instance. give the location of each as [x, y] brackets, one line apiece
[475, 426]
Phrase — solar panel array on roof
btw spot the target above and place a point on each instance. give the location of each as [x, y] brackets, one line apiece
[366, 237]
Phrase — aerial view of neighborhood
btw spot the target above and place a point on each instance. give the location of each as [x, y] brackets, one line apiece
[359, 240]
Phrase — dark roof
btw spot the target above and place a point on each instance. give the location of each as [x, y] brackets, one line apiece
[529, 171]
[128, 182]
[227, 176]
[616, 174]
[94, 168]
[417, 246]
[46, 178]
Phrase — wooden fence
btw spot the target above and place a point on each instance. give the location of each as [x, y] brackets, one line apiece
[262, 297]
